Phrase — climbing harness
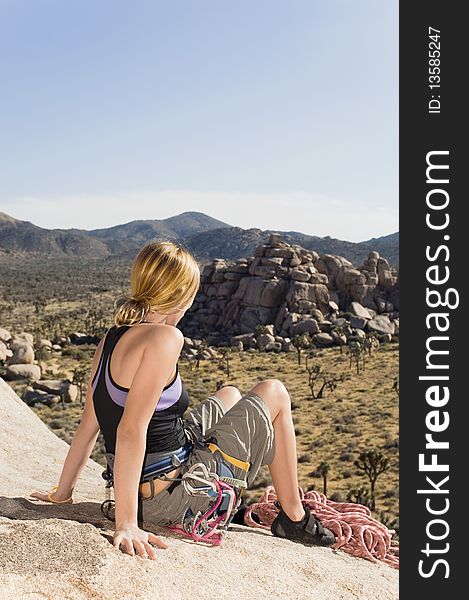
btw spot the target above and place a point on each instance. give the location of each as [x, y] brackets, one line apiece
[209, 526]
[223, 488]
[157, 470]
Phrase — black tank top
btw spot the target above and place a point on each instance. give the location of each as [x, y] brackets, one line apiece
[165, 429]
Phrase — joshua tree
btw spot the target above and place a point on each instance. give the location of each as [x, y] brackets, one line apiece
[80, 375]
[190, 361]
[395, 385]
[360, 495]
[91, 319]
[371, 342]
[323, 471]
[201, 348]
[3, 310]
[40, 304]
[260, 330]
[225, 358]
[313, 375]
[356, 352]
[301, 342]
[6, 307]
[340, 330]
[329, 382]
[312, 352]
[50, 322]
[41, 354]
[390, 522]
[372, 462]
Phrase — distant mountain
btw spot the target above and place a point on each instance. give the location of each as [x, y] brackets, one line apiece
[387, 245]
[356, 252]
[23, 238]
[136, 233]
[206, 237]
[235, 242]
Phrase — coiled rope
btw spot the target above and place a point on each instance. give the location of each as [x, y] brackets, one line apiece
[357, 532]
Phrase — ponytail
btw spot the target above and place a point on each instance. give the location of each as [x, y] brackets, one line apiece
[130, 310]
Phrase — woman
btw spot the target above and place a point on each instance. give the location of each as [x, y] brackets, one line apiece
[138, 401]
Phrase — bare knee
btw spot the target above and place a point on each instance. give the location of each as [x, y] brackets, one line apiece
[274, 393]
[273, 386]
[229, 395]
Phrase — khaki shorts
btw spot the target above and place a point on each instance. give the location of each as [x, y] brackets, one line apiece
[244, 434]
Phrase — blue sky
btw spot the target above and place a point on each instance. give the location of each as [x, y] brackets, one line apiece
[261, 113]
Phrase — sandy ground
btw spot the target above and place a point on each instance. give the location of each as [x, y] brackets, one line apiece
[65, 552]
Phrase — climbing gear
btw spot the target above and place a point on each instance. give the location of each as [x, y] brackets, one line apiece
[209, 526]
[307, 531]
[235, 461]
[225, 490]
[52, 490]
[357, 532]
[157, 470]
[225, 473]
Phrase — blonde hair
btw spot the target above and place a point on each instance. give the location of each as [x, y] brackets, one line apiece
[164, 276]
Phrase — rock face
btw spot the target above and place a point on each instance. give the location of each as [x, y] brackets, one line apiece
[66, 551]
[284, 284]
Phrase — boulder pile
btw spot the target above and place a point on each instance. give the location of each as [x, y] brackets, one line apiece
[17, 355]
[262, 302]
[290, 290]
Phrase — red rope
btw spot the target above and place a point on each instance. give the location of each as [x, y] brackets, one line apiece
[356, 531]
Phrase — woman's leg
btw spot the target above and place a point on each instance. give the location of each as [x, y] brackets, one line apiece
[284, 467]
[207, 414]
[229, 395]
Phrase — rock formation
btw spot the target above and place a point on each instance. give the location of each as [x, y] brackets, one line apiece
[283, 285]
[18, 356]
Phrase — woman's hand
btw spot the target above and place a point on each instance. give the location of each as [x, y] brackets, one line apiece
[53, 496]
[131, 535]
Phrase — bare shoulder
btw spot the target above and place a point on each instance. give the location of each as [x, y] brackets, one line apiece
[162, 335]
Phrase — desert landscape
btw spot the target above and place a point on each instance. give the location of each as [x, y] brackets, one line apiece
[326, 327]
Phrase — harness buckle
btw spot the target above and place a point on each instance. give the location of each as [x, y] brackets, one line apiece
[176, 461]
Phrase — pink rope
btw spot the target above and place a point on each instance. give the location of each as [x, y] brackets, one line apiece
[357, 532]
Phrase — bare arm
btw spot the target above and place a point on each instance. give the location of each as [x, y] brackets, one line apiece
[82, 444]
[158, 363]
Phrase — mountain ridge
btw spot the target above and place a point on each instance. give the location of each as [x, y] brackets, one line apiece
[206, 237]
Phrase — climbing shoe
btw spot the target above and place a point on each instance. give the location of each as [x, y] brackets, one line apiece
[239, 515]
[308, 531]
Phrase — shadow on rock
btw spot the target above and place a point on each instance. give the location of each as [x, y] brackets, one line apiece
[82, 512]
